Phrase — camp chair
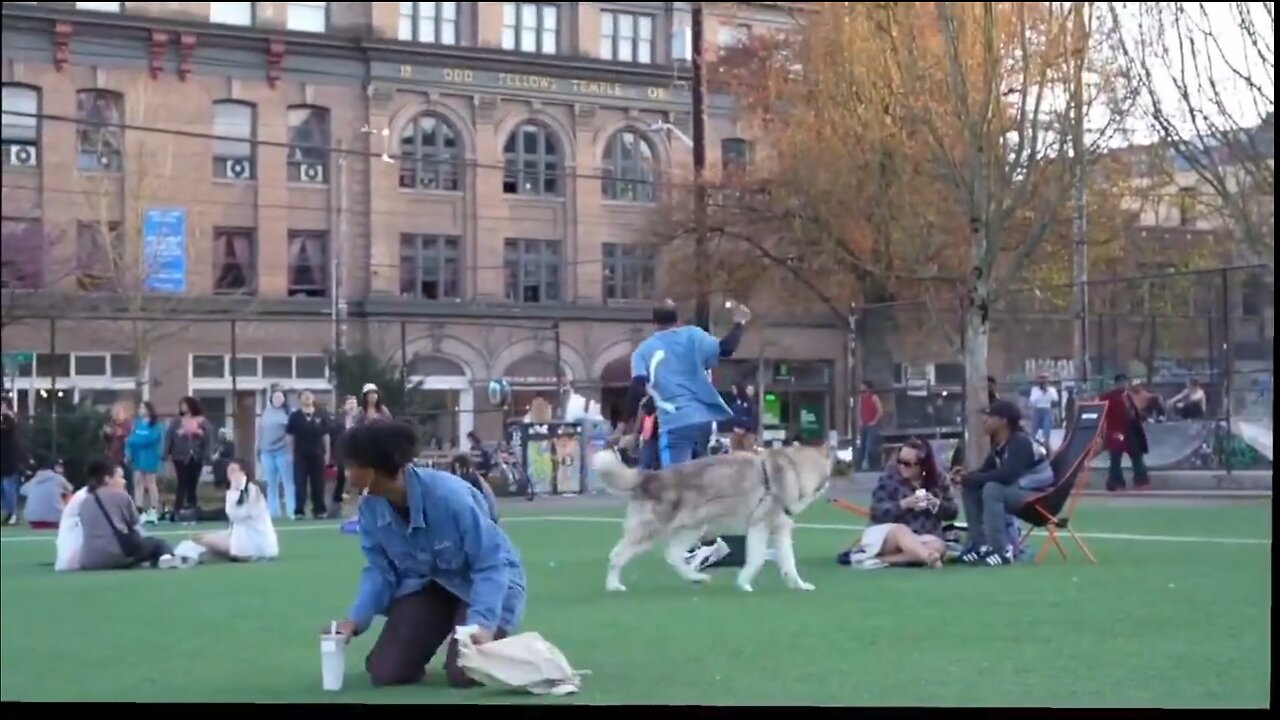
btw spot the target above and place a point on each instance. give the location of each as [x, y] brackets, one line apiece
[851, 507]
[1052, 510]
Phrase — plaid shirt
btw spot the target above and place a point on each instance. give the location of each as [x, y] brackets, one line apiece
[886, 505]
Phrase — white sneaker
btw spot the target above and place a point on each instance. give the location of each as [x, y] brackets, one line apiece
[707, 555]
[169, 562]
[13, 519]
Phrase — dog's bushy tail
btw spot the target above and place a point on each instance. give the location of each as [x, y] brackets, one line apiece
[614, 473]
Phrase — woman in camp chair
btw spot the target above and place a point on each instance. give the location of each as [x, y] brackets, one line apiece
[908, 508]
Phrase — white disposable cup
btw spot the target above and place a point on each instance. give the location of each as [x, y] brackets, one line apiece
[333, 660]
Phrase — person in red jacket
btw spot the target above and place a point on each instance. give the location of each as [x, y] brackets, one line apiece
[1124, 435]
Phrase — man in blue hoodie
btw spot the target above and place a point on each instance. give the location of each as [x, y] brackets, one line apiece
[673, 366]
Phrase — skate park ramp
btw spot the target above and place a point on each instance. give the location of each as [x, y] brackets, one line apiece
[1257, 433]
[1172, 444]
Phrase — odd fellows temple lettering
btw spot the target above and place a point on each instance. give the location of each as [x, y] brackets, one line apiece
[543, 83]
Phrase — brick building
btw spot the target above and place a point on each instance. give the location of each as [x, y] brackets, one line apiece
[469, 183]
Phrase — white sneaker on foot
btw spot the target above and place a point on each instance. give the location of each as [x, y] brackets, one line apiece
[169, 562]
[704, 557]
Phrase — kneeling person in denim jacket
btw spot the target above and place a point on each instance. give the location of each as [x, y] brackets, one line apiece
[435, 559]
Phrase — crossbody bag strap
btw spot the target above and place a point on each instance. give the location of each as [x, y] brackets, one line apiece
[120, 536]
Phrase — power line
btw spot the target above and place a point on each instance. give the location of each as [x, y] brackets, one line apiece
[460, 162]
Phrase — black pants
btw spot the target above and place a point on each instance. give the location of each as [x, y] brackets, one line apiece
[1115, 472]
[417, 625]
[188, 472]
[339, 485]
[150, 552]
[308, 475]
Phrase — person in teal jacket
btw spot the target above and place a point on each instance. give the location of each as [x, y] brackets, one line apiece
[144, 448]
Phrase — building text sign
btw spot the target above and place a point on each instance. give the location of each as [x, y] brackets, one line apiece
[530, 83]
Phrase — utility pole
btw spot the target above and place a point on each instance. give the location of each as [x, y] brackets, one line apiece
[702, 308]
[1079, 216]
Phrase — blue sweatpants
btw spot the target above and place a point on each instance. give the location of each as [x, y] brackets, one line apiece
[682, 444]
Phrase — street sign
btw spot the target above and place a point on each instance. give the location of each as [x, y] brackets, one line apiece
[14, 360]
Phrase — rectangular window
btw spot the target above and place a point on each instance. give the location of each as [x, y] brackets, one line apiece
[531, 27]
[308, 16]
[629, 271]
[626, 37]
[1187, 207]
[735, 155]
[308, 145]
[308, 264]
[111, 7]
[89, 365]
[22, 247]
[429, 267]
[20, 129]
[231, 13]
[234, 266]
[100, 258]
[429, 22]
[123, 365]
[277, 367]
[50, 365]
[731, 36]
[312, 367]
[245, 366]
[233, 124]
[99, 132]
[533, 270]
[209, 367]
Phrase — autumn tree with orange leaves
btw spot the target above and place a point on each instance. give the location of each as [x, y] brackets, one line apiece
[911, 151]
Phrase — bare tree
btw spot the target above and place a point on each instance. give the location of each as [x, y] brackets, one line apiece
[119, 270]
[1206, 74]
[920, 151]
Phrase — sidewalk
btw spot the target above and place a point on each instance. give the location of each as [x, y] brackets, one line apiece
[1166, 483]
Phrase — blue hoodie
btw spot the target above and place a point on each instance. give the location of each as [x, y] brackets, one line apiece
[145, 445]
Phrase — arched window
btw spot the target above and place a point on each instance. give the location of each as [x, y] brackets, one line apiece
[430, 154]
[233, 150]
[99, 135]
[628, 169]
[21, 126]
[308, 144]
[533, 162]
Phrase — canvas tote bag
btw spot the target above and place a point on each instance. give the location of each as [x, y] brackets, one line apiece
[524, 662]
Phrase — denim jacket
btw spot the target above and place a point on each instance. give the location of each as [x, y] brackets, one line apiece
[451, 540]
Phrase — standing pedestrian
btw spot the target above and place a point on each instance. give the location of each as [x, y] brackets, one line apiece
[340, 426]
[309, 427]
[1044, 403]
[144, 448]
[746, 419]
[12, 461]
[1125, 435]
[114, 435]
[870, 413]
[187, 446]
[275, 454]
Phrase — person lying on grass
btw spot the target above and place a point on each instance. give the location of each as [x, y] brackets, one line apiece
[251, 536]
[908, 507]
[435, 558]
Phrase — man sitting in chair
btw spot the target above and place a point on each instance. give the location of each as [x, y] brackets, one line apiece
[1012, 474]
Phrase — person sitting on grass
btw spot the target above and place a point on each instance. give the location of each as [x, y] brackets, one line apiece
[252, 536]
[436, 560]
[46, 495]
[1012, 474]
[908, 508]
[110, 523]
[70, 534]
[462, 467]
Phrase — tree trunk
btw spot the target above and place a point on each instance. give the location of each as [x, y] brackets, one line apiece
[976, 339]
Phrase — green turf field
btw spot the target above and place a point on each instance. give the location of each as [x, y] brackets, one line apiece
[1165, 620]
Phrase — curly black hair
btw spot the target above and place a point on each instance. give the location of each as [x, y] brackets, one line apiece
[386, 447]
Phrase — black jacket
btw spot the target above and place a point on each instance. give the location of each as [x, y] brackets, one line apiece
[1007, 463]
[13, 458]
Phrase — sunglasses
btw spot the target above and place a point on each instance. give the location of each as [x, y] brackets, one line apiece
[909, 463]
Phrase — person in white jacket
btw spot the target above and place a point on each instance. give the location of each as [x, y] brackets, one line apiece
[252, 536]
[70, 534]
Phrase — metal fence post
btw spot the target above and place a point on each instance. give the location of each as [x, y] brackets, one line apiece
[235, 384]
[1229, 364]
[53, 384]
